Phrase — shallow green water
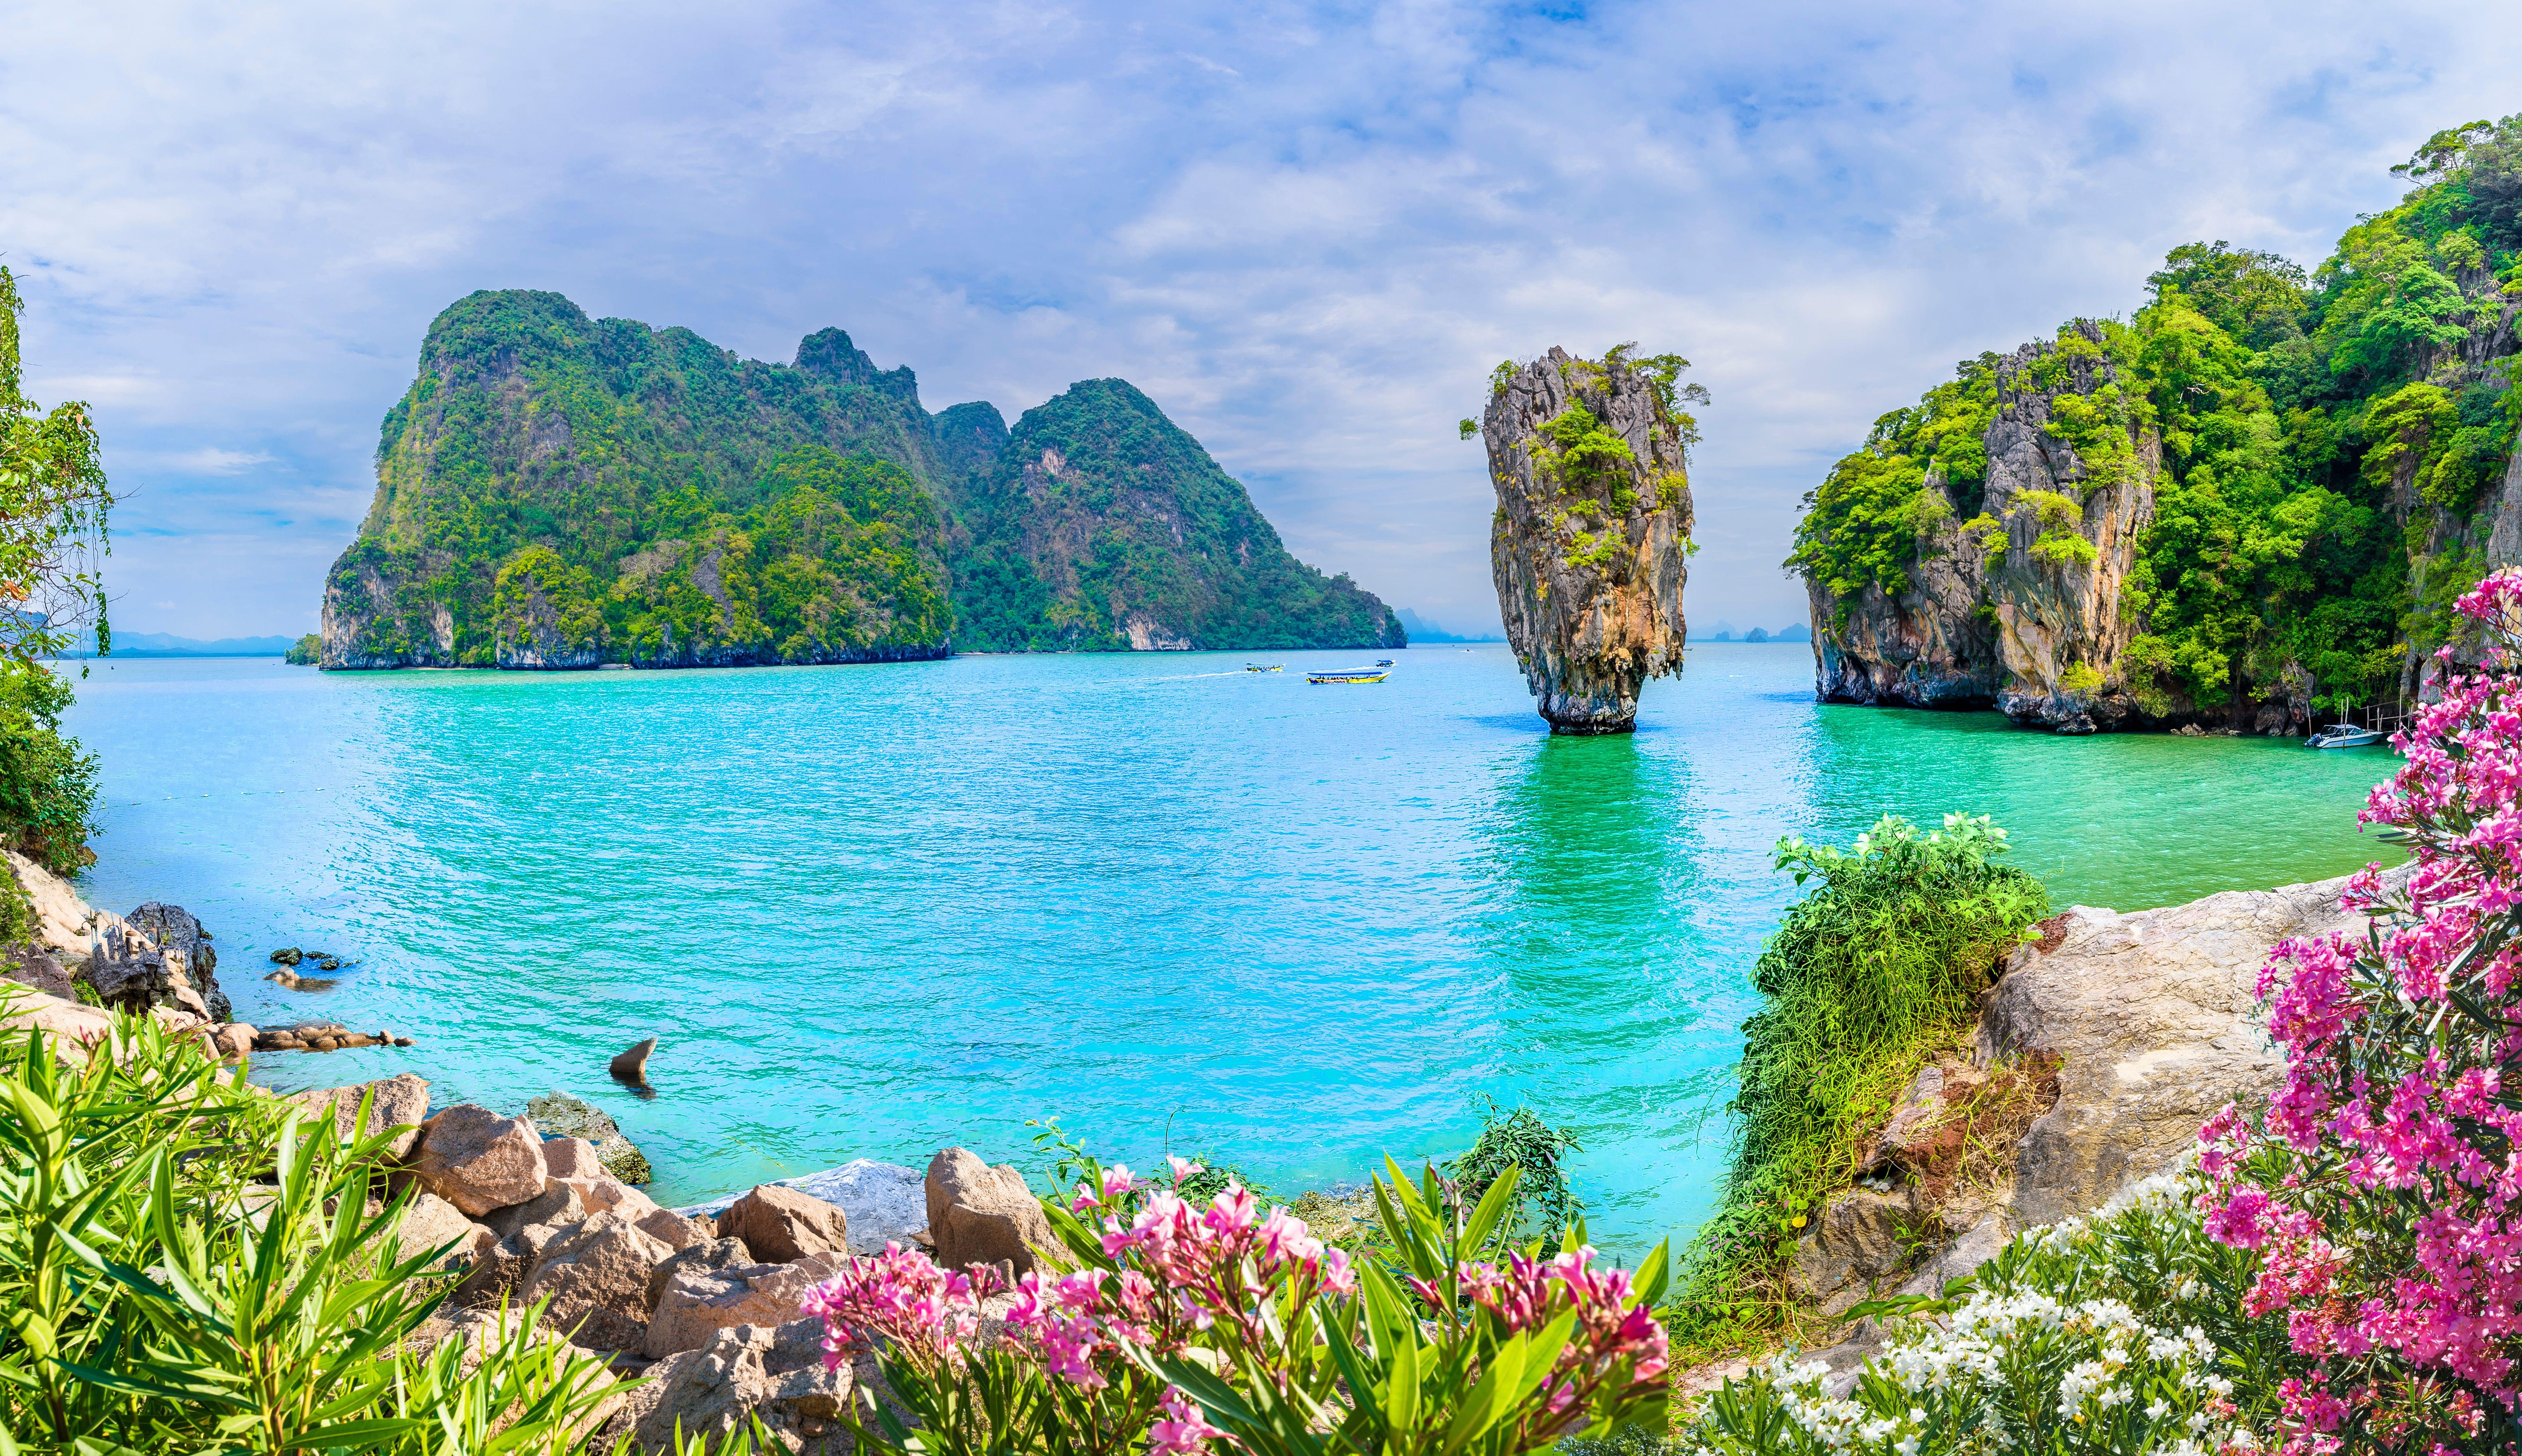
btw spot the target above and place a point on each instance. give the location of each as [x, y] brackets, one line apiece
[873, 910]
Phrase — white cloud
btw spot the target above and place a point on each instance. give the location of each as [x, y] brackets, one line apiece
[210, 460]
[1306, 231]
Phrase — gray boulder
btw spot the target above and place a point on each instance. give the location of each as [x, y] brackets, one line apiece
[701, 1255]
[558, 1203]
[2157, 1015]
[770, 1372]
[697, 1303]
[596, 1277]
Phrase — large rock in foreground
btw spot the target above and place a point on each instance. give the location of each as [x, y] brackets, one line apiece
[979, 1214]
[1593, 521]
[2145, 1023]
[2155, 1014]
[478, 1160]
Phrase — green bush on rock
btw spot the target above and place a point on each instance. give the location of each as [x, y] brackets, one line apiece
[1866, 976]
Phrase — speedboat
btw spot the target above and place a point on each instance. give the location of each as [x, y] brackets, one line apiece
[1375, 673]
[2344, 737]
[1384, 662]
[1254, 667]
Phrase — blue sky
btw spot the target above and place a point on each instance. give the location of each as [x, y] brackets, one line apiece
[1306, 231]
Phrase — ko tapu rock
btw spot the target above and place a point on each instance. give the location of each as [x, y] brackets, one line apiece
[1592, 524]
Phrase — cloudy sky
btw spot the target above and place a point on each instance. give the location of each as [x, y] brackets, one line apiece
[1307, 231]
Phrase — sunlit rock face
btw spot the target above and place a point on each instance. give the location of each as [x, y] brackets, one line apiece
[1592, 525]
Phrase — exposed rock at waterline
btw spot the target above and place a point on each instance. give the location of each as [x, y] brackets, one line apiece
[781, 1225]
[1587, 546]
[631, 1066]
[562, 1115]
[979, 1214]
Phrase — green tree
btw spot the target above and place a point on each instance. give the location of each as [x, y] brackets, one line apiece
[53, 507]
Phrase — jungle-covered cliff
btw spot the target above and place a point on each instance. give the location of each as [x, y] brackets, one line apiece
[560, 491]
[2257, 498]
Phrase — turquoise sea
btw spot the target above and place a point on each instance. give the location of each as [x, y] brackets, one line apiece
[873, 910]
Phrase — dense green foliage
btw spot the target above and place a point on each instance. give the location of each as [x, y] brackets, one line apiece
[306, 652]
[1100, 511]
[47, 785]
[185, 1264]
[53, 504]
[53, 507]
[1866, 975]
[2330, 445]
[556, 489]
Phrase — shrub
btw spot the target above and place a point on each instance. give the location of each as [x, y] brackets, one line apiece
[1864, 979]
[2117, 1334]
[2383, 1186]
[1521, 1142]
[1170, 1325]
[47, 785]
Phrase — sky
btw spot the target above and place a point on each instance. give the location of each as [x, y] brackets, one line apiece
[1307, 231]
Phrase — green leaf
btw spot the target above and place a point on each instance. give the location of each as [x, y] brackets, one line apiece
[1489, 1398]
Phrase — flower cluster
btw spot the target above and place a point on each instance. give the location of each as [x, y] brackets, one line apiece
[2383, 1186]
[900, 1297]
[1615, 1337]
[2092, 1334]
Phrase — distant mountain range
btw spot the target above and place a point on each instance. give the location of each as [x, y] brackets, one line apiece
[1724, 633]
[165, 644]
[1421, 630]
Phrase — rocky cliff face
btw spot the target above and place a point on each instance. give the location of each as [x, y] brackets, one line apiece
[2019, 606]
[1928, 647]
[2055, 589]
[556, 493]
[1588, 542]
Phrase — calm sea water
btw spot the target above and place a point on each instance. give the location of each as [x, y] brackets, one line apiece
[872, 911]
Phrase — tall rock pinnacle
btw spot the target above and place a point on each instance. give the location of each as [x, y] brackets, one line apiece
[1592, 524]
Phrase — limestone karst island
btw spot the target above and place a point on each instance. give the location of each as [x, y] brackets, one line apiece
[1613, 730]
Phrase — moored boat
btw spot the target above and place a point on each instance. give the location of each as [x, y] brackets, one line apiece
[2344, 737]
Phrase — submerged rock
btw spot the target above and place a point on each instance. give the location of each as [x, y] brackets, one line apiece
[1593, 521]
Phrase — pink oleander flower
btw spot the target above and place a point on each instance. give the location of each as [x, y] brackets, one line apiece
[1185, 1429]
[900, 1296]
[2383, 1183]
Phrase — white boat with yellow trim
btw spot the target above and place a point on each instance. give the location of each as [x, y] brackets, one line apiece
[1375, 673]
